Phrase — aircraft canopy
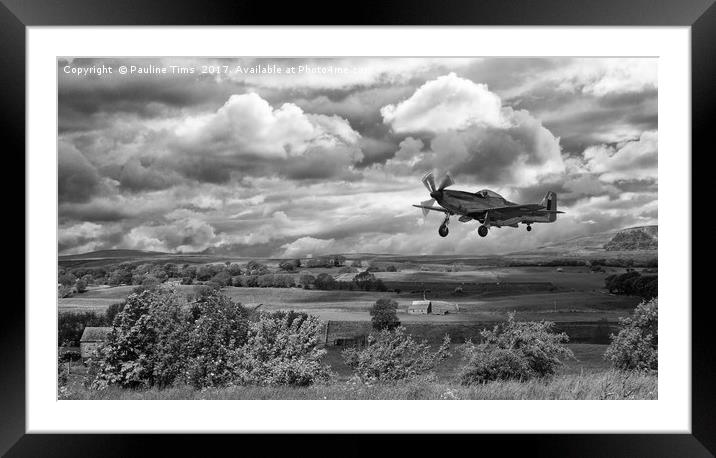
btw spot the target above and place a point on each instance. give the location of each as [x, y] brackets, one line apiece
[487, 193]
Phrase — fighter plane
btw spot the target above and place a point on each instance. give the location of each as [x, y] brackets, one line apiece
[484, 206]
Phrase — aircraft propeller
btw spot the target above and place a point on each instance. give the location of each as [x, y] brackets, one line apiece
[429, 182]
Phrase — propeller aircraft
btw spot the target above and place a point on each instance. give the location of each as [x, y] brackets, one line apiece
[485, 206]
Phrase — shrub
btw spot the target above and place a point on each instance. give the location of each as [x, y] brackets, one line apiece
[633, 283]
[635, 347]
[120, 275]
[266, 280]
[393, 355]
[204, 273]
[218, 327]
[66, 279]
[65, 291]
[514, 350]
[234, 270]
[188, 272]
[383, 314]
[306, 280]
[112, 312]
[159, 339]
[256, 268]
[324, 281]
[145, 347]
[223, 278]
[281, 349]
[364, 280]
[391, 268]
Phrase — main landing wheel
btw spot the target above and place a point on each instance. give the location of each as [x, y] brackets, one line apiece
[482, 230]
[443, 230]
[529, 228]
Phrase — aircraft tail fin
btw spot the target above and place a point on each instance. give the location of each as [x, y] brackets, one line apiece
[550, 203]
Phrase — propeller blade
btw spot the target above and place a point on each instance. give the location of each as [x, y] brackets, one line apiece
[427, 203]
[429, 181]
[447, 181]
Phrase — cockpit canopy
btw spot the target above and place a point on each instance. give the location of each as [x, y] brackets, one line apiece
[487, 193]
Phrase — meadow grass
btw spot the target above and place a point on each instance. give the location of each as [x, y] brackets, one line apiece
[607, 385]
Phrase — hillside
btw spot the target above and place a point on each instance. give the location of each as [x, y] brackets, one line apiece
[628, 239]
[634, 238]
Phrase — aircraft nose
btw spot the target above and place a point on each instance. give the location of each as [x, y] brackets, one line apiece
[436, 194]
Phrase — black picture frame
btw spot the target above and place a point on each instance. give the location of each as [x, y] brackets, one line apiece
[16, 15]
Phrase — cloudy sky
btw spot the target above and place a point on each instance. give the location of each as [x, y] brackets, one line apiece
[328, 158]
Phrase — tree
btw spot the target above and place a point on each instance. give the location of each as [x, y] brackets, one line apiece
[172, 270]
[339, 260]
[391, 268]
[234, 270]
[145, 347]
[306, 280]
[514, 350]
[384, 315]
[66, 279]
[81, 286]
[364, 280]
[159, 339]
[204, 273]
[636, 345]
[256, 268]
[393, 355]
[120, 276]
[325, 282]
[223, 278]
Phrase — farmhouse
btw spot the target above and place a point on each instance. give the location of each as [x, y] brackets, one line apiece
[425, 307]
[91, 338]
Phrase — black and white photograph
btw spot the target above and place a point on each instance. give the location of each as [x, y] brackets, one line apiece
[357, 228]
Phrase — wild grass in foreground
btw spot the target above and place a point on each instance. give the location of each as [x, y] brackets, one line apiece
[604, 385]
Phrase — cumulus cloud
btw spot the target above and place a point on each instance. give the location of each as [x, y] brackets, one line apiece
[322, 164]
[445, 103]
[307, 246]
[632, 160]
[180, 235]
[473, 134]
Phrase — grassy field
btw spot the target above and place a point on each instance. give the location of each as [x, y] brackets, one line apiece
[596, 386]
[574, 294]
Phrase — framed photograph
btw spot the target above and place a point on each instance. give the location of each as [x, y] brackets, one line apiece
[413, 220]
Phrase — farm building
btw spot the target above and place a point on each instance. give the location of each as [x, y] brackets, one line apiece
[91, 338]
[432, 307]
[346, 333]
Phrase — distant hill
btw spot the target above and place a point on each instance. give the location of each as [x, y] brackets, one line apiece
[112, 254]
[628, 239]
[634, 238]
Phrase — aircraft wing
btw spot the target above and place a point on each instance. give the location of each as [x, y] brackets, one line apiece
[515, 209]
[437, 209]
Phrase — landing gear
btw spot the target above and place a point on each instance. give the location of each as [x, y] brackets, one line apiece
[482, 230]
[529, 228]
[443, 229]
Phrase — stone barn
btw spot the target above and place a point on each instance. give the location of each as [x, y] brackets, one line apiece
[346, 333]
[426, 307]
[420, 308]
[91, 338]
